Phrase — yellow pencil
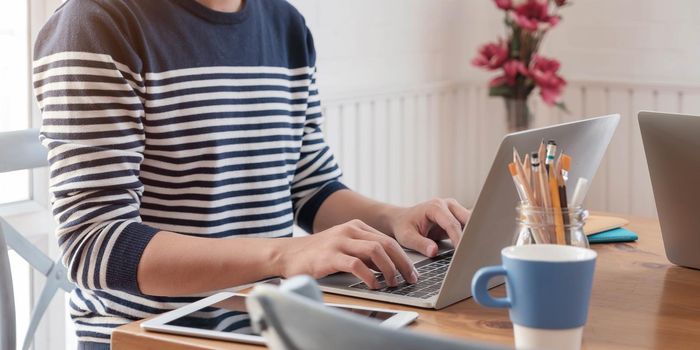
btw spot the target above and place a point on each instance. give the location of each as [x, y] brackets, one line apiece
[556, 206]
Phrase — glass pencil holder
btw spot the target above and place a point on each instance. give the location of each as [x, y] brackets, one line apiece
[539, 225]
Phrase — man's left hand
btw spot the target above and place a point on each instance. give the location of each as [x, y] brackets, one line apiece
[420, 226]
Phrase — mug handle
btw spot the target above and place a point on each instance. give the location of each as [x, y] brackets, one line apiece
[480, 290]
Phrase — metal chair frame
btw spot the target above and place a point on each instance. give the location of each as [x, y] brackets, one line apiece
[20, 150]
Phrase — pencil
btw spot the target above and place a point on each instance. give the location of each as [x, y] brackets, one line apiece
[525, 197]
[556, 205]
[512, 168]
[528, 170]
[516, 157]
[565, 166]
[526, 185]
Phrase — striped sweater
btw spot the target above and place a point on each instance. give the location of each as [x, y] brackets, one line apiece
[167, 115]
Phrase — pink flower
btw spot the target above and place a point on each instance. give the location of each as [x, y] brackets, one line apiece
[491, 56]
[532, 13]
[560, 3]
[504, 4]
[510, 73]
[544, 73]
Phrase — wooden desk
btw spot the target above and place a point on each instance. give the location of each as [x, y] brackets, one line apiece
[639, 300]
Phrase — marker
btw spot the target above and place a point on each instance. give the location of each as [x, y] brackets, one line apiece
[551, 153]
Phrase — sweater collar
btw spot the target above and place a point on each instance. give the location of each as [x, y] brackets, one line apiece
[217, 16]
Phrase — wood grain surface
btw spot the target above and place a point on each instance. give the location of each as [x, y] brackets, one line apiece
[640, 301]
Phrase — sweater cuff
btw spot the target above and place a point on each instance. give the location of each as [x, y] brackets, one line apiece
[307, 213]
[125, 256]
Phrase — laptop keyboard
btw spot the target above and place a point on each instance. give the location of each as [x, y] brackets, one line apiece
[431, 271]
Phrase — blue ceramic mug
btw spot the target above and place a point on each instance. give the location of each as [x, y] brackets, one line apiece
[548, 290]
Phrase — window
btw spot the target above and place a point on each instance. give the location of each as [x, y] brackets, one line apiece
[15, 94]
[24, 194]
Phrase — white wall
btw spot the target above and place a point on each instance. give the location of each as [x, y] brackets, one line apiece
[367, 45]
[619, 56]
[629, 40]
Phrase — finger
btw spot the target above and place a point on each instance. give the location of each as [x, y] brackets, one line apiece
[373, 251]
[355, 266]
[416, 241]
[461, 213]
[398, 256]
[364, 227]
[442, 216]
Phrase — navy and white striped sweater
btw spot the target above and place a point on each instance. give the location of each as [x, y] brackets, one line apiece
[166, 115]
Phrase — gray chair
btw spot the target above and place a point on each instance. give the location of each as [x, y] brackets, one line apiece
[292, 317]
[21, 150]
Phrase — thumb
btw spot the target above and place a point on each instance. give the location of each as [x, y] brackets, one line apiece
[412, 239]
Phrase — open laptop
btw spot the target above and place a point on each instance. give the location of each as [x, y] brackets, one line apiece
[672, 147]
[446, 279]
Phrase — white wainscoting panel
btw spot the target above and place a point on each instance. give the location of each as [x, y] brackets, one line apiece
[408, 146]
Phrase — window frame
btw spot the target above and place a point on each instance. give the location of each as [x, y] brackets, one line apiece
[54, 328]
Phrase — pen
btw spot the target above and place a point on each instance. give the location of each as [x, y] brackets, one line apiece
[535, 178]
[561, 187]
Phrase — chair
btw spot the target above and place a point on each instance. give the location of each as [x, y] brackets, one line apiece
[21, 150]
[292, 317]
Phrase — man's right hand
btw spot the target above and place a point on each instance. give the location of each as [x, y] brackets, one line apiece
[352, 247]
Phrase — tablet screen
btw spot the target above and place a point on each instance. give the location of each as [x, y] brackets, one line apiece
[230, 316]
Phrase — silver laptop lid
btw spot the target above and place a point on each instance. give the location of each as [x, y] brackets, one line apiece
[672, 147]
[492, 224]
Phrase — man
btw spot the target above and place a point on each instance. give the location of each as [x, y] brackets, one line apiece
[183, 137]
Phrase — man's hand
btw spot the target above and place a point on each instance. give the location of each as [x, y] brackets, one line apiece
[418, 227]
[353, 247]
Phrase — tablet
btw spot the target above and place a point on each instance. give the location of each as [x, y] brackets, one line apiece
[223, 316]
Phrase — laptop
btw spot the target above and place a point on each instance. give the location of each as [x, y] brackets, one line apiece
[672, 147]
[446, 279]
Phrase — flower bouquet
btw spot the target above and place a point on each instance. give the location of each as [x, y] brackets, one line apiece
[521, 68]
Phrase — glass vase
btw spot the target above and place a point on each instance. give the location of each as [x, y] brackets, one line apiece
[538, 225]
[518, 116]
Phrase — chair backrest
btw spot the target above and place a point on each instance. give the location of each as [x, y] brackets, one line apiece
[293, 322]
[21, 150]
[7, 301]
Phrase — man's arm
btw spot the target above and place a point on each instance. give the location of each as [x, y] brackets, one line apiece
[416, 227]
[174, 264]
